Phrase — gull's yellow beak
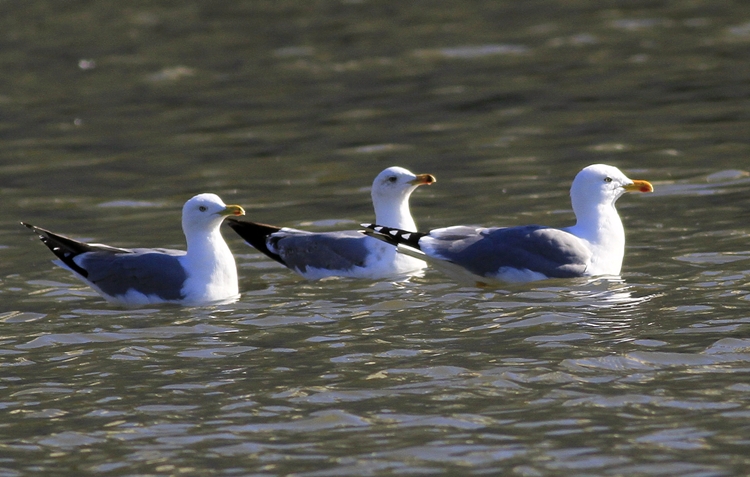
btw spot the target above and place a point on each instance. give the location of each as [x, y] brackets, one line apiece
[639, 186]
[423, 179]
[232, 210]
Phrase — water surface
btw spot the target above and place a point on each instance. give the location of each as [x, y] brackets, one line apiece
[113, 115]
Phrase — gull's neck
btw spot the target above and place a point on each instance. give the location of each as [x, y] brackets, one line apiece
[205, 247]
[600, 226]
[394, 212]
[210, 265]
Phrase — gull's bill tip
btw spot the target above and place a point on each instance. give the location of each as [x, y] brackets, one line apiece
[639, 186]
[233, 210]
[423, 179]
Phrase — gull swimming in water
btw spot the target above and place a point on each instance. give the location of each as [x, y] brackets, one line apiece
[316, 255]
[205, 273]
[595, 245]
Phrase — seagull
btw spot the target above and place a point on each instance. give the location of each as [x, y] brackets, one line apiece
[595, 245]
[205, 274]
[345, 253]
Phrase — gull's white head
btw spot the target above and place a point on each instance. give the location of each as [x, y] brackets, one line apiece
[600, 184]
[205, 212]
[397, 182]
[390, 196]
[593, 194]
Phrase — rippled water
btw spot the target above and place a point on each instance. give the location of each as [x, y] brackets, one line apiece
[112, 115]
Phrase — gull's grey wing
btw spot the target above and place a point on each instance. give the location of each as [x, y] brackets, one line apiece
[484, 251]
[116, 270]
[326, 250]
[148, 271]
[300, 250]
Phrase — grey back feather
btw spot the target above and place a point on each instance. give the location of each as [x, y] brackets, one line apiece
[149, 271]
[484, 251]
[328, 250]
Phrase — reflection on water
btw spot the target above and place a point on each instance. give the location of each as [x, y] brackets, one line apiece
[113, 115]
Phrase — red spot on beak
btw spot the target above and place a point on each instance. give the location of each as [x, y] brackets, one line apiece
[640, 186]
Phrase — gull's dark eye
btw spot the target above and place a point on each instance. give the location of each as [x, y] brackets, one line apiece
[203, 208]
[392, 179]
[607, 179]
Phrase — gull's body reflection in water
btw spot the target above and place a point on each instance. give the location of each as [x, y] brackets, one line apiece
[607, 304]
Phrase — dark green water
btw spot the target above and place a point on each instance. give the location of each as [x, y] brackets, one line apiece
[112, 114]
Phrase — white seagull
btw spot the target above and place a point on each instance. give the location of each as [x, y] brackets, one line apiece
[595, 245]
[205, 274]
[346, 253]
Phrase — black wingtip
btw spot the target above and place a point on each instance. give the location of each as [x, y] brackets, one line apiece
[393, 236]
[42, 233]
[256, 235]
[65, 248]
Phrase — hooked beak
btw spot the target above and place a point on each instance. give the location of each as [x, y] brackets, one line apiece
[232, 210]
[639, 186]
[423, 179]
